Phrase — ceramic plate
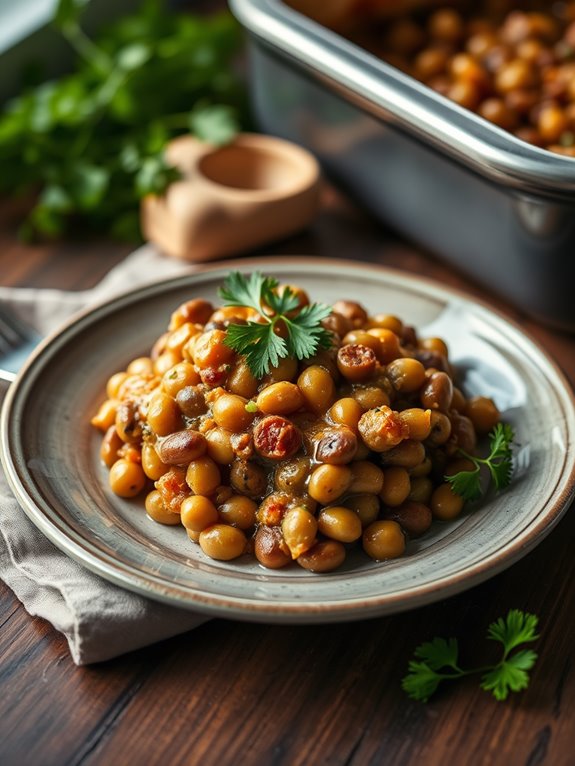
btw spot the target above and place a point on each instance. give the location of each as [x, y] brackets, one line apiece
[50, 453]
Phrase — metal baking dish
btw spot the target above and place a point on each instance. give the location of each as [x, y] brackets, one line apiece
[499, 209]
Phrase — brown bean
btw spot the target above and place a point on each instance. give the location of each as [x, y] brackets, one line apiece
[437, 392]
[197, 311]
[353, 311]
[128, 423]
[356, 362]
[325, 556]
[292, 476]
[336, 446]
[270, 548]
[248, 478]
[276, 438]
[111, 443]
[462, 432]
[191, 401]
[414, 518]
[181, 447]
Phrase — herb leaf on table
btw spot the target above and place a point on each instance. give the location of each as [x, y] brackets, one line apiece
[437, 660]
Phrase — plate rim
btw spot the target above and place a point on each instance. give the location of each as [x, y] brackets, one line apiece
[135, 580]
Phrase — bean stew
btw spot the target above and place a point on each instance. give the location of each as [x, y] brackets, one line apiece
[349, 447]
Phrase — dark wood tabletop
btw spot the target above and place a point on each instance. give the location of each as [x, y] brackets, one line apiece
[236, 693]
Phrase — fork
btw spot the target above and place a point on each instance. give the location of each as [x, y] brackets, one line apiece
[17, 341]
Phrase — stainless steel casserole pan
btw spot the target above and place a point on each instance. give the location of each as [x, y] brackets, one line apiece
[499, 209]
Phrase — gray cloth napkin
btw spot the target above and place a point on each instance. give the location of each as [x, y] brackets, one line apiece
[99, 620]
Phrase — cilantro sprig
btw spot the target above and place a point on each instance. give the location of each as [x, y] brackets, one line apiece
[260, 342]
[499, 462]
[438, 660]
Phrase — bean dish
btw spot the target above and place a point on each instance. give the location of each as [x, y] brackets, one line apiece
[347, 447]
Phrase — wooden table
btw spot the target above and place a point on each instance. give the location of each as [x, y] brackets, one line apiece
[232, 693]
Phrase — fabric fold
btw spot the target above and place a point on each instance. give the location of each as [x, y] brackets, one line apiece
[99, 620]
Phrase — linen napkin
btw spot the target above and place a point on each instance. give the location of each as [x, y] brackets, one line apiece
[99, 620]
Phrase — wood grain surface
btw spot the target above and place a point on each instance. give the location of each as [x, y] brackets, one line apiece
[233, 693]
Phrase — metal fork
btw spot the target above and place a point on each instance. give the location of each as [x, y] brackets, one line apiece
[17, 341]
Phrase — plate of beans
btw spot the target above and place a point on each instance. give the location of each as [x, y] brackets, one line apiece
[317, 491]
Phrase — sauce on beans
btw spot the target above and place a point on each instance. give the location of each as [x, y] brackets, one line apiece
[349, 448]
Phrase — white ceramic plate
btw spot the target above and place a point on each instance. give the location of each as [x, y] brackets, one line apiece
[50, 453]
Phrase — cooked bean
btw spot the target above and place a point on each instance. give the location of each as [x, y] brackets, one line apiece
[157, 511]
[191, 401]
[280, 398]
[336, 446]
[198, 512]
[351, 310]
[325, 556]
[370, 397]
[462, 432]
[180, 376]
[445, 504]
[286, 369]
[483, 413]
[239, 511]
[406, 375]
[389, 348]
[413, 517]
[248, 478]
[396, 486]
[127, 479]
[366, 477]
[270, 548]
[417, 421]
[366, 506]
[421, 489]
[181, 447]
[273, 508]
[163, 416]
[408, 454]
[440, 430]
[229, 411]
[203, 476]
[383, 540]
[276, 438]
[106, 415]
[328, 482]
[222, 542]
[111, 443]
[128, 423]
[299, 529]
[356, 362]
[241, 381]
[381, 429]
[437, 392]
[292, 476]
[197, 311]
[339, 523]
[347, 412]
[210, 349]
[153, 466]
[219, 446]
[317, 387]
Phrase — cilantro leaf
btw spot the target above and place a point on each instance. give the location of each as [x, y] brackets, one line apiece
[517, 628]
[261, 342]
[421, 681]
[439, 653]
[437, 660]
[509, 675]
[499, 462]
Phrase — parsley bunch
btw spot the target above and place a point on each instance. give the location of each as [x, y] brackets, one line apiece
[499, 462]
[438, 660]
[259, 342]
[90, 144]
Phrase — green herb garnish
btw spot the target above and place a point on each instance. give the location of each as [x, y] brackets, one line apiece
[91, 143]
[437, 660]
[499, 462]
[259, 342]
